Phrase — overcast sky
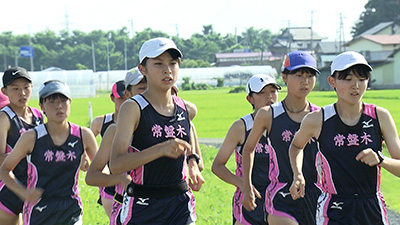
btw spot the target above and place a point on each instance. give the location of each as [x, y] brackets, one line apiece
[183, 17]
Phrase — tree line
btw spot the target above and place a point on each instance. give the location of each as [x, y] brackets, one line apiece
[115, 50]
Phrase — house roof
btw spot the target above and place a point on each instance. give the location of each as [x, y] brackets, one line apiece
[329, 46]
[375, 29]
[303, 34]
[242, 55]
[384, 39]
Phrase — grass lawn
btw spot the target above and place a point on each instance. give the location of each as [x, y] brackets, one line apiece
[216, 111]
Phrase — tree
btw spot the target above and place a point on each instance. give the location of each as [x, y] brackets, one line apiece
[377, 11]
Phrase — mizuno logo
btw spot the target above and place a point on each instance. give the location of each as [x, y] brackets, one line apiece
[367, 125]
[142, 201]
[162, 44]
[72, 144]
[284, 194]
[40, 209]
[336, 205]
[15, 73]
[180, 117]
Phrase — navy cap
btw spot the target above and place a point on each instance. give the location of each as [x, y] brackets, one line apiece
[299, 59]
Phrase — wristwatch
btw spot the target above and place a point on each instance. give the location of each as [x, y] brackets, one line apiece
[195, 156]
[380, 156]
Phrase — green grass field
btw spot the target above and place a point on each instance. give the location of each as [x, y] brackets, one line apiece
[216, 111]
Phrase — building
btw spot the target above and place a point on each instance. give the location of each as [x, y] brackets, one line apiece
[293, 39]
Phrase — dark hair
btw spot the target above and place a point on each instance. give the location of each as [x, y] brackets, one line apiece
[53, 97]
[172, 52]
[358, 69]
[301, 70]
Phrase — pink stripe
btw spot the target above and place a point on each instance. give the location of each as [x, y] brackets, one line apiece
[382, 205]
[27, 212]
[116, 208]
[75, 189]
[129, 216]
[114, 91]
[75, 130]
[314, 107]
[192, 205]
[103, 194]
[283, 214]
[369, 110]
[137, 174]
[36, 112]
[8, 149]
[325, 180]
[179, 102]
[5, 209]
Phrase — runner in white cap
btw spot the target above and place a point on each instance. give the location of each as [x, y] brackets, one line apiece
[349, 134]
[262, 90]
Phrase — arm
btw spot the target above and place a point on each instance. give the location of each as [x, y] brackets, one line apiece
[196, 179]
[390, 135]
[310, 127]
[5, 127]
[196, 145]
[121, 161]
[95, 175]
[262, 121]
[96, 125]
[23, 147]
[234, 137]
[89, 142]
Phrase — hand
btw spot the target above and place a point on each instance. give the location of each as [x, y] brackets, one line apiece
[33, 195]
[369, 157]
[297, 189]
[125, 180]
[84, 166]
[196, 179]
[173, 148]
[249, 201]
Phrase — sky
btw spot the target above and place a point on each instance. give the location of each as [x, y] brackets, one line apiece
[181, 17]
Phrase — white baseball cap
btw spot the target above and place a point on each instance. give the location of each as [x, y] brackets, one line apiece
[133, 77]
[155, 47]
[347, 59]
[258, 81]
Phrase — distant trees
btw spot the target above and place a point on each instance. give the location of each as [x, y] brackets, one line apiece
[80, 50]
[377, 11]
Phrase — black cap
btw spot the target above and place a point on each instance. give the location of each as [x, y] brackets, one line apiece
[14, 73]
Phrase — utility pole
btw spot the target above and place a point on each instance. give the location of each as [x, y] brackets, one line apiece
[16, 56]
[125, 51]
[341, 35]
[311, 29]
[94, 58]
[30, 44]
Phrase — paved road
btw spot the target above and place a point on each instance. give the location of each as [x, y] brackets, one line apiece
[394, 218]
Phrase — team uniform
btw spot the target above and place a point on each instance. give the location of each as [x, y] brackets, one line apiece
[9, 201]
[259, 179]
[106, 192]
[59, 203]
[351, 189]
[158, 193]
[279, 202]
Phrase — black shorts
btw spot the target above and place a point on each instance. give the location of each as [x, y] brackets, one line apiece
[365, 210]
[66, 211]
[10, 202]
[175, 210]
[302, 210]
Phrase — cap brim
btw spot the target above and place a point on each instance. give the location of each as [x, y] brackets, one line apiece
[302, 66]
[350, 65]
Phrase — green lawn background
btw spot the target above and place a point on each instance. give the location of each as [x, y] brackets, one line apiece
[216, 111]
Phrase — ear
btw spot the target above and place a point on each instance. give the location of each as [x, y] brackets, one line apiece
[332, 82]
[112, 98]
[249, 99]
[284, 78]
[3, 89]
[142, 69]
[127, 94]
